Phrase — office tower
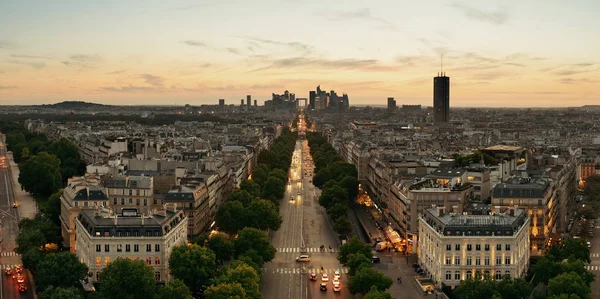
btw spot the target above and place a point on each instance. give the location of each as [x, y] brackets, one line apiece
[255, 103]
[221, 103]
[242, 102]
[311, 99]
[441, 98]
[391, 104]
[248, 100]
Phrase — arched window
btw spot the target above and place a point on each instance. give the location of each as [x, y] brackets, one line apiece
[507, 273]
[448, 275]
[498, 274]
[469, 274]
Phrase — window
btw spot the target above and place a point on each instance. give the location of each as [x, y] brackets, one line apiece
[145, 201]
[106, 248]
[122, 201]
[469, 262]
[127, 248]
[477, 261]
[457, 260]
[137, 192]
[469, 247]
[157, 276]
[507, 273]
[157, 260]
[498, 275]
[148, 248]
[457, 247]
[487, 260]
[469, 274]
[507, 260]
[157, 247]
[456, 275]
[448, 275]
[106, 261]
[448, 261]
[131, 199]
[115, 201]
[98, 261]
[478, 247]
[119, 247]
[498, 246]
[98, 248]
[137, 201]
[487, 247]
[85, 203]
[130, 193]
[498, 260]
[76, 204]
[155, 201]
[98, 276]
[149, 260]
[448, 247]
[507, 247]
[136, 248]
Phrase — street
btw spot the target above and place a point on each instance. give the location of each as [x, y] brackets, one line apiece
[594, 266]
[304, 229]
[8, 258]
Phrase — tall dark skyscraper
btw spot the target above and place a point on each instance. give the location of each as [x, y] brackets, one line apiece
[221, 102]
[441, 98]
[311, 99]
[242, 102]
[391, 104]
[248, 100]
[255, 103]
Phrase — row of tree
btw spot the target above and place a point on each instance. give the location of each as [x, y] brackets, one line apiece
[356, 255]
[559, 274]
[337, 179]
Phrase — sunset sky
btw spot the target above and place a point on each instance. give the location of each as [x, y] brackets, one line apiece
[497, 53]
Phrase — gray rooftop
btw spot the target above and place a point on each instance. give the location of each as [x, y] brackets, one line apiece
[131, 182]
[498, 224]
[521, 188]
[129, 223]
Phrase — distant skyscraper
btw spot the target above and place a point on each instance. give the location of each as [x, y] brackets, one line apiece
[255, 103]
[441, 98]
[391, 104]
[249, 100]
[311, 99]
[242, 102]
[221, 102]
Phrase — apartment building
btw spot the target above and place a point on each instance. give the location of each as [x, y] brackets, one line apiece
[455, 246]
[509, 158]
[103, 237]
[127, 191]
[81, 193]
[192, 198]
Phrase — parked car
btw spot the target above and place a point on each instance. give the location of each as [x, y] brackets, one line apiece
[375, 260]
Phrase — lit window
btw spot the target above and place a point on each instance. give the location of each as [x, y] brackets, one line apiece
[149, 261]
[98, 261]
[157, 260]
[106, 261]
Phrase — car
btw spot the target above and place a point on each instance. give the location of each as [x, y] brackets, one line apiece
[8, 271]
[22, 288]
[589, 245]
[336, 279]
[313, 276]
[20, 278]
[336, 286]
[375, 260]
[324, 277]
[323, 287]
[303, 258]
[19, 269]
[14, 205]
[336, 274]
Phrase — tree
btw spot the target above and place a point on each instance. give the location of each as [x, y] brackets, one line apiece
[40, 174]
[49, 230]
[591, 189]
[242, 196]
[251, 187]
[476, 288]
[60, 270]
[337, 210]
[60, 293]
[333, 195]
[29, 239]
[202, 239]
[25, 153]
[31, 258]
[564, 296]
[125, 278]
[357, 261]
[263, 214]
[230, 217]
[254, 239]
[260, 175]
[175, 289]
[70, 160]
[544, 270]
[51, 207]
[273, 189]
[366, 278]
[513, 288]
[278, 173]
[374, 293]
[194, 265]
[225, 291]
[350, 184]
[342, 226]
[222, 246]
[354, 245]
[575, 249]
[245, 275]
[569, 283]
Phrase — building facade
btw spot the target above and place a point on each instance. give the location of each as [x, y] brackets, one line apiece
[441, 99]
[125, 191]
[456, 247]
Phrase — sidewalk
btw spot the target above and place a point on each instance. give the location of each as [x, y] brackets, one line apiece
[26, 205]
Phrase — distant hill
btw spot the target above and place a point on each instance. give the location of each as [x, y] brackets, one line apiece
[74, 105]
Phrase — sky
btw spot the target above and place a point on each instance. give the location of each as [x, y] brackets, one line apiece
[506, 53]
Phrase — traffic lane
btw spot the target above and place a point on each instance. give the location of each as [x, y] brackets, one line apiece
[10, 286]
[314, 290]
[595, 258]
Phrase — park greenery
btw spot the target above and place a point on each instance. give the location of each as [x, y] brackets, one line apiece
[356, 255]
[337, 179]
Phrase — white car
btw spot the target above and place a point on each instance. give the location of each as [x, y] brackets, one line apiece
[336, 286]
[336, 274]
[324, 277]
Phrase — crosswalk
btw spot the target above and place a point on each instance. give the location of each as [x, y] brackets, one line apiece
[9, 253]
[299, 270]
[595, 255]
[307, 250]
[4, 267]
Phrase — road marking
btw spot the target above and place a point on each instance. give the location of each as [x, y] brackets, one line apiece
[310, 249]
[309, 270]
[595, 254]
[592, 268]
[4, 267]
[9, 253]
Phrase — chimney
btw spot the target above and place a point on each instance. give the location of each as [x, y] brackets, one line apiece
[440, 211]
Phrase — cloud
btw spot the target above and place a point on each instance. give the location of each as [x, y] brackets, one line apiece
[233, 51]
[3, 87]
[153, 80]
[498, 17]
[30, 56]
[529, 92]
[82, 60]
[116, 72]
[351, 64]
[363, 15]
[293, 45]
[33, 64]
[129, 88]
[577, 81]
[195, 43]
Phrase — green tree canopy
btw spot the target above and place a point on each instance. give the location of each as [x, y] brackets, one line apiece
[251, 187]
[374, 293]
[222, 246]
[60, 293]
[51, 207]
[175, 289]
[125, 278]
[31, 258]
[230, 217]
[354, 245]
[273, 189]
[260, 174]
[350, 184]
[263, 214]
[342, 226]
[225, 291]
[591, 189]
[569, 283]
[40, 174]
[60, 270]
[357, 261]
[366, 278]
[194, 265]
[242, 196]
[477, 288]
[70, 160]
[244, 275]
[337, 210]
[254, 239]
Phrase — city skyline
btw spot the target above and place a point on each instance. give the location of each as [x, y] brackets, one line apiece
[498, 53]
